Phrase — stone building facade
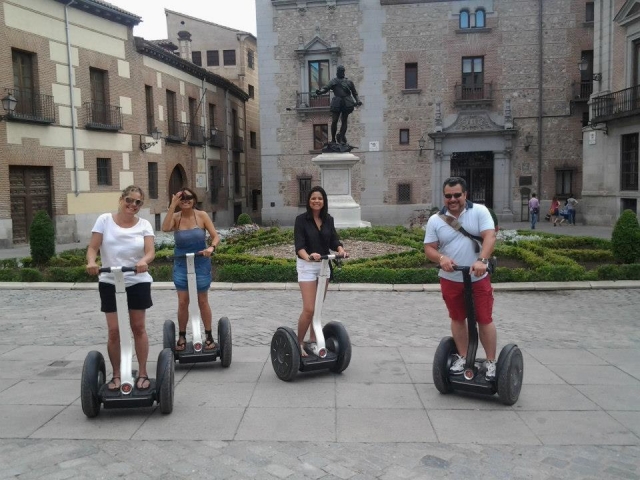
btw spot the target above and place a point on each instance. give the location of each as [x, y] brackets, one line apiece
[611, 138]
[232, 54]
[486, 89]
[87, 104]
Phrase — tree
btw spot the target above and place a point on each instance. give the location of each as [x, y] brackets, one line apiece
[42, 238]
[625, 238]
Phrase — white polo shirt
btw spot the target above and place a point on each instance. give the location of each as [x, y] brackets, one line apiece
[475, 218]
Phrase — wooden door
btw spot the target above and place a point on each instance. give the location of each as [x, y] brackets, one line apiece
[30, 189]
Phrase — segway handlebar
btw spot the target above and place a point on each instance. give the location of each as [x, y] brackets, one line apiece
[465, 269]
[196, 254]
[124, 269]
[334, 256]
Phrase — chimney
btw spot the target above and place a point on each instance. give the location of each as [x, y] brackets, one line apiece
[184, 44]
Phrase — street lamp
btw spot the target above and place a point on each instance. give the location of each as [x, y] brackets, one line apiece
[421, 143]
[583, 66]
[156, 134]
[528, 140]
[9, 104]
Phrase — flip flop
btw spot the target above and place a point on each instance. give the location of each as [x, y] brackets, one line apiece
[209, 344]
[113, 382]
[144, 378]
[181, 345]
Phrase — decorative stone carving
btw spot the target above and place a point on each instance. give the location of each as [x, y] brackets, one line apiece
[474, 122]
[508, 118]
[438, 116]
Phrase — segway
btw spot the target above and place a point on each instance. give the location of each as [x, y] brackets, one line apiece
[194, 352]
[93, 389]
[332, 349]
[509, 369]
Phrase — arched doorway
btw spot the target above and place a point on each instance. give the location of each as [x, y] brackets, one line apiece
[177, 180]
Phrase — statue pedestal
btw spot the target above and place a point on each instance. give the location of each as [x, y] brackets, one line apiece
[335, 170]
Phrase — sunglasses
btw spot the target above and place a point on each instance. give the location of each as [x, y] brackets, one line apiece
[135, 201]
[449, 196]
[186, 198]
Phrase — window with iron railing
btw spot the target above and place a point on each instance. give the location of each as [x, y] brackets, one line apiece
[404, 193]
[410, 76]
[320, 136]
[304, 187]
[629, 162]
[196, 57]
[148, 97]
[250, 56]
[103, 170]
[152, 173]
[404, 136]
[564, 183]
[229, 57]
[213, 58]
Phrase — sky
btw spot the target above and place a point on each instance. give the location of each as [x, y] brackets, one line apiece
[237, 14]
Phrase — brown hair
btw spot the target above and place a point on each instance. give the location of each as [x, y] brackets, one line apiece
[132, 188]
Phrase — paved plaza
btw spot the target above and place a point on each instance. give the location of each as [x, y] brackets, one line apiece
[578, 415]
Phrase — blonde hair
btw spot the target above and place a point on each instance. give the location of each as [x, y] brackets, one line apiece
[132, 188]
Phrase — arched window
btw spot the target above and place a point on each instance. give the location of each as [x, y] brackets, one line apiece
[464, 19]
[480, 18]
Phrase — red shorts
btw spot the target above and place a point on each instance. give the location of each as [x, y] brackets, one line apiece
[453, 295]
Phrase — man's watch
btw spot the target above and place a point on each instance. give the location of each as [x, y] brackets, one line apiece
[483, 260]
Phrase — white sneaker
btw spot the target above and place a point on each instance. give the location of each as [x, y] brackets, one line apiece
[491, 370]
[457, 367]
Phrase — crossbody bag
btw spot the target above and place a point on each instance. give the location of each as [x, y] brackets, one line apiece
[477, 240]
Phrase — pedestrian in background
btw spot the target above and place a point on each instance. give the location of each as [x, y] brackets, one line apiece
[555, 210]
[534, 210]
[571, 207]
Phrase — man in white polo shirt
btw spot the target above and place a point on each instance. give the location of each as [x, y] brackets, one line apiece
[445, 245]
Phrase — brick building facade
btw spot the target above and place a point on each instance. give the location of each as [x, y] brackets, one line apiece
[122, 89]
[491, 89]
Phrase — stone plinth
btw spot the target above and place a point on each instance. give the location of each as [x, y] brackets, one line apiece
[336, 180]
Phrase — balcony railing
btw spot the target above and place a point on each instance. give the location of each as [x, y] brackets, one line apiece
[311, 101]
[178, 131]
[100, 116]
[582, 90]
[238, 144]
[482, 92]
[620, 104]
[217, 140]
[32, 107]
[196, 135]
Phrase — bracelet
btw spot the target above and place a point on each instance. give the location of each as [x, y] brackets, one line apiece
[440, 259]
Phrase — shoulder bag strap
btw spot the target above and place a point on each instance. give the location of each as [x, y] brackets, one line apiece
[455, 224]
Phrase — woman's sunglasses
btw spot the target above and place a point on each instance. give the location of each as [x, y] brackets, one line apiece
[186, 198]
[449, 196]
[135, 201]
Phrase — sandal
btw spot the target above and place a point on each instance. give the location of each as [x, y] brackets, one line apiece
[113, 382]
[209, 343]
[182, 341]
[144, 379]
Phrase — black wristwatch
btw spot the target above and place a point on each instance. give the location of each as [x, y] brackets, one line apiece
[483, 260]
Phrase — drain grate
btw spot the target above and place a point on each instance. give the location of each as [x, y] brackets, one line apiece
[60, 363]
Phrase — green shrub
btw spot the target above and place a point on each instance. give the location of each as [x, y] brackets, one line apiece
[68, 275]
[161, 273]
[42, 238]
[9, 275]
[9, 263]
[257, 273]
[244, 219]
[625, 239]
[30, 275]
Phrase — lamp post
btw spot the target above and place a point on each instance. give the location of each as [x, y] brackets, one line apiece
[528, 140]
[583, 66]
[156, 134]
[9, 104]
[421, 143]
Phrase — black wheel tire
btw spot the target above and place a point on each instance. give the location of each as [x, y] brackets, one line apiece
[224, 341]
[509, 374]
[446, 348]
[338, 342]
[285, 354]
[165, 374]
[93, 377]
[169, 336]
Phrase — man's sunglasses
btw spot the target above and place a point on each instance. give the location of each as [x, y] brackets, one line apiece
[449, 196]
[135, 201]
[186, 198]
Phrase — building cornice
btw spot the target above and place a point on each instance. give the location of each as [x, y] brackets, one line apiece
[105, 10]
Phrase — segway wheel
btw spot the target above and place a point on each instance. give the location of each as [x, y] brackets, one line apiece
[446, 348]
[169, 336]
[338, 342]
[224, 341]
[165, 373]
[509, 373]
[285, 354]
[93, 377]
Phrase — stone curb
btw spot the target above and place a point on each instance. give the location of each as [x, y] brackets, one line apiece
[346, 287]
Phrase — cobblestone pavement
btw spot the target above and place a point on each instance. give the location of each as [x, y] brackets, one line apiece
[578, 415]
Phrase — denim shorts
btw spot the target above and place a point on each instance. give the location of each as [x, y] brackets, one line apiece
[307, 271]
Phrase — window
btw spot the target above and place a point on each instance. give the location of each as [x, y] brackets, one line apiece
[320, 136]
[193, 111]
[215, 182]
[304, 186]
[472, 78]
[171, 113]
[404, 193]
[229, 57]
[212, 115]
[148, 97]
[98, 80]
[252, 91]
[152, 173]
[213, 58]
[23, 81]
[589, 15]
[253, 140]
[236, 174]
[250, 59]
[318, 74]
[404, 136]
[629, 204]
[564, 181]
[104, 171]
[480, 18]
[629, 162]
[585, 118]
[410, 76]
[196, 57]
[464, 19]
